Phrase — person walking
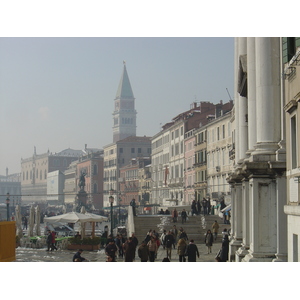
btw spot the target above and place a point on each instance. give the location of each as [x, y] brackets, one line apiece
[129, 250]
[133, 205]
[136, 242]
[120, 240]
[152, 246]
[215, 229]
[169, 242]
[143, 252]
[162, 238]
[53, 241]
[111, 249]
[198, 207]
[174, 231]
[182, 234]
[225, 246]
[181, 249]
[208, 240]
[183, 216]
[148, 236]
[175, 215]
[49, 241]
[192, 251]
[204, 205]
[194, 208]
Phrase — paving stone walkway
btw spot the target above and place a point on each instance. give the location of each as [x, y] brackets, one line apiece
[41, 255]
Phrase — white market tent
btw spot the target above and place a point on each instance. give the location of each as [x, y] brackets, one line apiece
[74, 217]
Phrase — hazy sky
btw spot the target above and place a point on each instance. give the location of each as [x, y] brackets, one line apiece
[58, 93]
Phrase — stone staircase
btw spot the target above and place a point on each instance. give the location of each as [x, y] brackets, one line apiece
[196, 226]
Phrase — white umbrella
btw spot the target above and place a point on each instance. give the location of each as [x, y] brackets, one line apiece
[31, 222]
[38, 221]
[97, 218]
[19, 222]
[71, 217]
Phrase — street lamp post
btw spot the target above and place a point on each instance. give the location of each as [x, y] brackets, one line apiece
[120, 211]
[7, 205]
[111, 200]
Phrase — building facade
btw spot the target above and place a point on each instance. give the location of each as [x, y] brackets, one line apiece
[168, 153]
[10, 183]
[91, 165]
[219, 166]
[201, 188]
[34, 172]
[189, 170]
[118, 155]
[291, 92]
[258, 182]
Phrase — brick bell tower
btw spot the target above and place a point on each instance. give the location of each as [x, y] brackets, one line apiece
[124, 115]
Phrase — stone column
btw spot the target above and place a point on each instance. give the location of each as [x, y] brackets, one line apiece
[243, 250]
[251, 78]
[236, 98]
[243, 109]
[236, 216]
[268, 106]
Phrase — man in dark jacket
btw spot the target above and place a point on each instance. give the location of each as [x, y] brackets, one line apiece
[77, 256]
[183, 216]
[119, 243]
[111, 249]
[169, 241]
[192, 251]
[129, 250]
[143, 252]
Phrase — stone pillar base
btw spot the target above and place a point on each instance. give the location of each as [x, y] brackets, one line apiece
[241, 253]
[258, 257]
[234, 245]
[280, 258]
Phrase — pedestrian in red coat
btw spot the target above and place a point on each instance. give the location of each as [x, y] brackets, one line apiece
[53, 241]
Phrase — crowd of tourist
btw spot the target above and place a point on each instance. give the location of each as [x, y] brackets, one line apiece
[174, 242]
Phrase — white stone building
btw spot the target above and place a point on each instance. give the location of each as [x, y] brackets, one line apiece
[259, 224]
[291, 92]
